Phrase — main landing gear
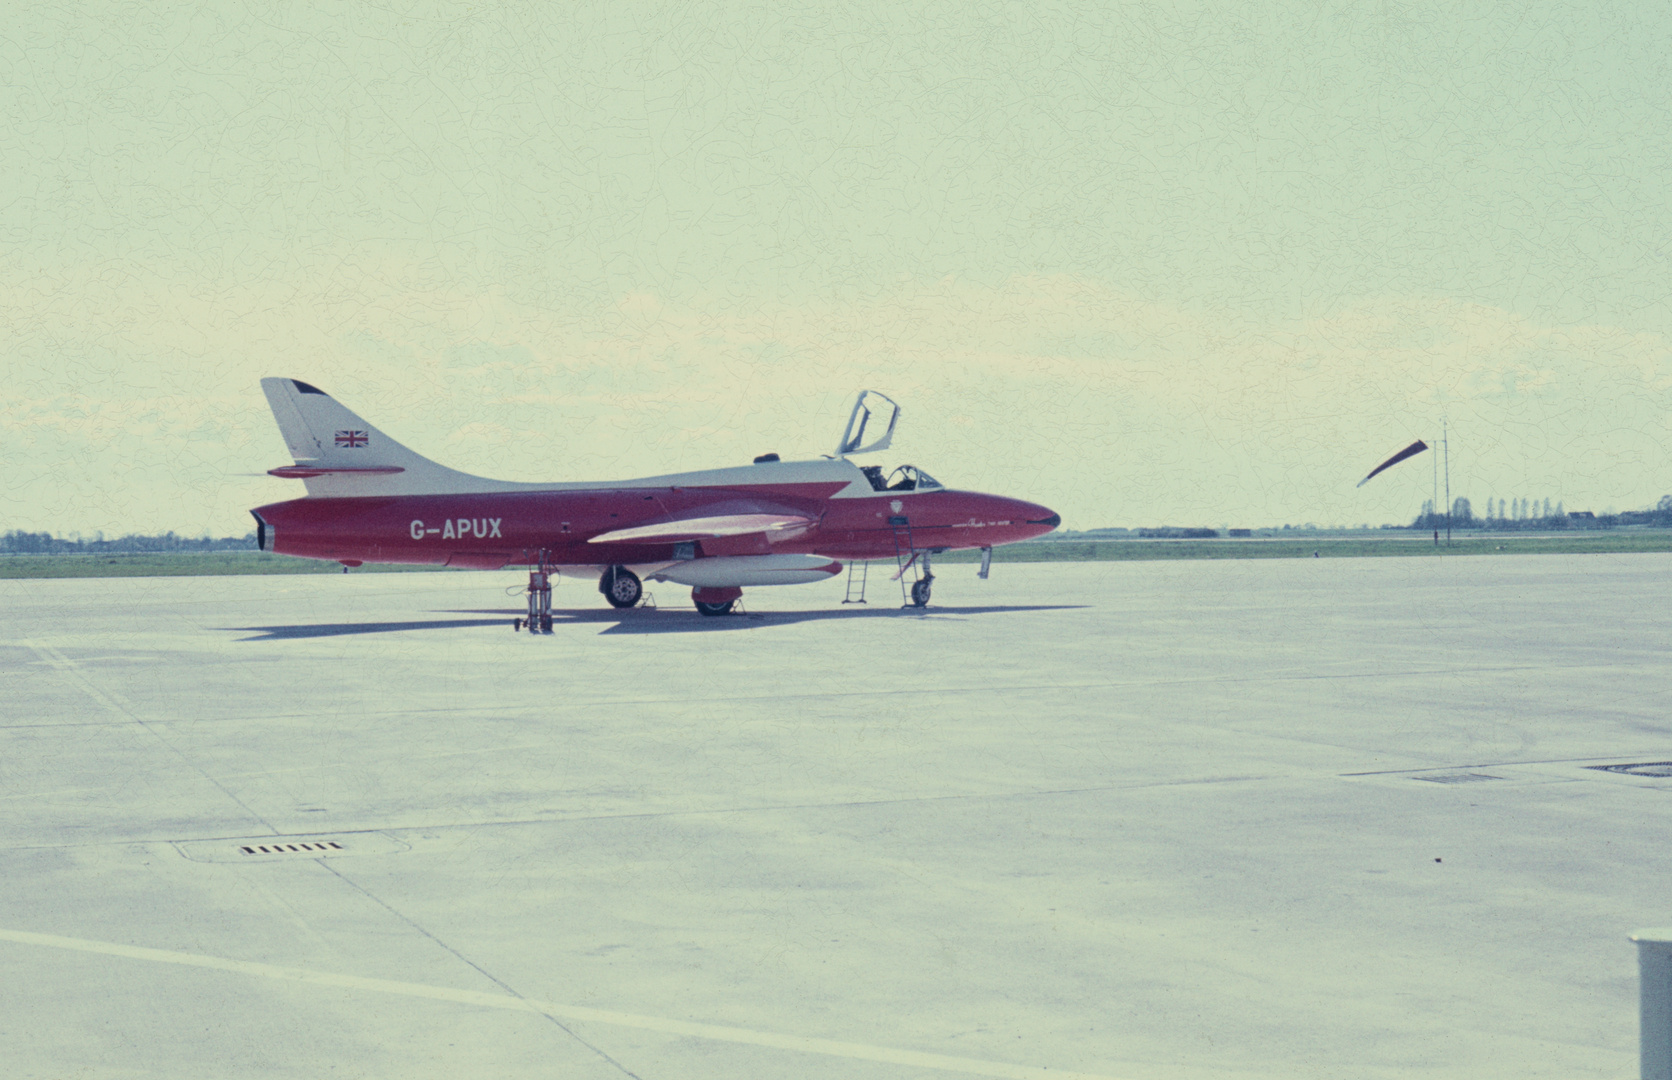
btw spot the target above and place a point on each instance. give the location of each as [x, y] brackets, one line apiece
[920, 590]
[621, 587]
[715, 601]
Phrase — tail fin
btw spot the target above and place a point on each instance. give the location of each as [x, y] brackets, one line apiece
[339, 454]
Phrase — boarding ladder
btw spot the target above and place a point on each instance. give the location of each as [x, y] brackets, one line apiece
[859, 571]
[907, 557]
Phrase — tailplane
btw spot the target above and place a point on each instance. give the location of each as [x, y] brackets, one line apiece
[339, 454]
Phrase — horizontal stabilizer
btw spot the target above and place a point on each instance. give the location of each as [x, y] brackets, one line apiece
[706, 528]
[305, 472]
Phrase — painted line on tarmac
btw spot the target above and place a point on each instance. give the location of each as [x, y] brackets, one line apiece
[666, 1025]
[116, 707]
[59, 662]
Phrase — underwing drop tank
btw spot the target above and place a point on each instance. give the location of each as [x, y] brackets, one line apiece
[738, 570]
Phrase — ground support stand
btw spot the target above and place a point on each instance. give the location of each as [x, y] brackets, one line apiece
[539, 619]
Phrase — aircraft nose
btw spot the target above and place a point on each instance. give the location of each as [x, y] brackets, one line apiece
[1035, 515]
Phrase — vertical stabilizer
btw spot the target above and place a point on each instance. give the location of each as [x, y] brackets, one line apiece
[338, 454]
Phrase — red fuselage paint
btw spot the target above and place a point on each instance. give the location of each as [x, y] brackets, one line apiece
[514, 527]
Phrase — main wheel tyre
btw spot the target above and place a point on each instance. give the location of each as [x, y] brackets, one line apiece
[620, 587]
[714, 609]
[920, 593]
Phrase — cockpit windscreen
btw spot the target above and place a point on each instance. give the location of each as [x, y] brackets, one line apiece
[904, 478]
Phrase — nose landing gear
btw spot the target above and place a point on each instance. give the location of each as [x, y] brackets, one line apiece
[908, 556]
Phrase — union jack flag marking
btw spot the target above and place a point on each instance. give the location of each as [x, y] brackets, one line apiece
[351, 438]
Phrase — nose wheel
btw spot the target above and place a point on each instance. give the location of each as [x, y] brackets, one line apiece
[920, 591]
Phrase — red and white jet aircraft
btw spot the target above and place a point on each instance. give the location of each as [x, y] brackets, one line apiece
[370, 499]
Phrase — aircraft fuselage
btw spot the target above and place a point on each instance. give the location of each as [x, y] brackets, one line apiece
[499, 528]
[370, 499]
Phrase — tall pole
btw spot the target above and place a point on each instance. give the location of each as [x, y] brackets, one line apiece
[1434, 503]
[1445, 447]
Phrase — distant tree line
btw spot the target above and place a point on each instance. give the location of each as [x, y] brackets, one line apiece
[1532, 514]
[1173, 532]
[17, 542]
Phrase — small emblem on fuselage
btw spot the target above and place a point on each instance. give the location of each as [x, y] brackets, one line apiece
[894, 505]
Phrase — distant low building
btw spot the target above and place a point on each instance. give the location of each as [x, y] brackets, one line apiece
[1240, 532]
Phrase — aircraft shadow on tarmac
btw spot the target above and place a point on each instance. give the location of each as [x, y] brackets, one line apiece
[636, 620]
[313, 630]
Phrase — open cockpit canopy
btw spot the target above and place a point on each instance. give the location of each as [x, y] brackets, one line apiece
[865, 420]
[863, 423]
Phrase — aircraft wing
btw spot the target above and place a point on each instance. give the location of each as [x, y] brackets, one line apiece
[781, 525]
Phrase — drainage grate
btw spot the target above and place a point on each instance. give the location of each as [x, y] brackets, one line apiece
[327, 847]
[1457, 778]
[1641, 768]
[306, 847]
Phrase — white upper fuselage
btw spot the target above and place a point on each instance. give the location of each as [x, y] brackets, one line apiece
[439, 480]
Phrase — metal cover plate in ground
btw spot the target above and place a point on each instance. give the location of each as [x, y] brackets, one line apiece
[247, 849]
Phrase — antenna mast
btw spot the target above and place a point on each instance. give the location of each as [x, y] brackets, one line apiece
[1445, 449]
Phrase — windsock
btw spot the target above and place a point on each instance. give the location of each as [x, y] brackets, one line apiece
[1410, 451]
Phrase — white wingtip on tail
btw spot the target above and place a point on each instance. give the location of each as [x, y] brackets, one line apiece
[339, 454]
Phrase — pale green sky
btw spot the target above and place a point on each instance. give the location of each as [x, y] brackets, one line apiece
[1190, 264]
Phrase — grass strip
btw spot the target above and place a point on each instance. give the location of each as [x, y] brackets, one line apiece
[1332, 547]
[177, 564]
